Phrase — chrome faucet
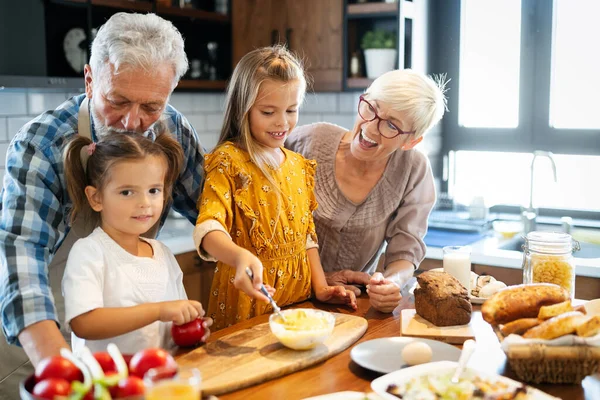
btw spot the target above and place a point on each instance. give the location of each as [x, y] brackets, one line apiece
[529, 214]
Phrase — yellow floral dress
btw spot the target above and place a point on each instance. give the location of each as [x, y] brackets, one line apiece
[237, 194]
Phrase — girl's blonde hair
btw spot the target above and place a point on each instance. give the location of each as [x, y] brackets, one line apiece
[420, 96]
[274, 63]
[108, 151]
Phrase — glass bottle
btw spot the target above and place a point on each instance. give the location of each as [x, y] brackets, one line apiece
[548, 258]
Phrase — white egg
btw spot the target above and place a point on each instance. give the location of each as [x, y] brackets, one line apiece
[491, 288]
[416, 353]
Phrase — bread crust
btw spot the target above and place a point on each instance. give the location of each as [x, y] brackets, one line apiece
[519, 326]
[521, 301]
[547, 312]
[589, 328]
[561, 325]
[442, 300]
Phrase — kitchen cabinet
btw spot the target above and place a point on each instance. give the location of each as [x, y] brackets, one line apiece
[310, 28]
[586, 287]
[360, 17]
[48, 41]
[197, 276]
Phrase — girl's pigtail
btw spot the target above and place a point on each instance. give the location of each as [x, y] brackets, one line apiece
[75, 175]
[174, 156]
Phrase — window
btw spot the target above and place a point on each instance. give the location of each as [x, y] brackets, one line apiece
[523, 78]
[523, 75]
[503, 178]
[574, 87]
[491, 32]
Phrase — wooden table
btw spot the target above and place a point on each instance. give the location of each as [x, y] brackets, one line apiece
[340, 373]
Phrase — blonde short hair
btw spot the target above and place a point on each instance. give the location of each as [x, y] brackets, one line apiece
[420, 96]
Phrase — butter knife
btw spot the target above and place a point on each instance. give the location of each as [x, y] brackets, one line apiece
[264, 291]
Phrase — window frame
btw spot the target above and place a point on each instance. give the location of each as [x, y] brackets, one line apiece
[533, 131]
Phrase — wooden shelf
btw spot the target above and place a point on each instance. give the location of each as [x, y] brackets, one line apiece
[201, 84]
[120, 4]
[124, 4]
[358, 83]
[363, 10]
[193, 13]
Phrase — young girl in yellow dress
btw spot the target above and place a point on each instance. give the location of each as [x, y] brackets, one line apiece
[256, 207]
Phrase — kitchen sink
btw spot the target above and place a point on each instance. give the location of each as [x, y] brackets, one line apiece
[588, 250]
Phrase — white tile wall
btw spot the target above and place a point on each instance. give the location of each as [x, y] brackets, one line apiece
[42, 101]
[16, 123]
[13, 103]
[214, 122]
[3, 148]
[3, 129]
[320, 102]
[203, 110]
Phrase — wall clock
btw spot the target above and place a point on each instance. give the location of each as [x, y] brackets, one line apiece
[74, 46]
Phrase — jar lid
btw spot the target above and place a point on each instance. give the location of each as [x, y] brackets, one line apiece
[549, 242]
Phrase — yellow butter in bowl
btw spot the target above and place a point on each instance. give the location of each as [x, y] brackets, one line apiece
[303, 328]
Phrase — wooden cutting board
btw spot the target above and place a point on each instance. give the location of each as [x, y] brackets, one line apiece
[254, 355]
[413, 324]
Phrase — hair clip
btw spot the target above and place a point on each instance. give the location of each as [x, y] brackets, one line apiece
[150, 134]
[91, 148]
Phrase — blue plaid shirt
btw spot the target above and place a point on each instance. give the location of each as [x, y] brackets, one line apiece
[33, 211]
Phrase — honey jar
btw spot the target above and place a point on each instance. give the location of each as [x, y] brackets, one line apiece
[548, 258]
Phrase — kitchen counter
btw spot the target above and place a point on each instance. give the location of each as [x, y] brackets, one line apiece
[177, 235]
[487, 252]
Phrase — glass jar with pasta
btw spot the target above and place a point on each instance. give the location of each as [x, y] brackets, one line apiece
[548, 258]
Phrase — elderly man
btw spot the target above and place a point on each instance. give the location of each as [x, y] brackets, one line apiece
[136, 62]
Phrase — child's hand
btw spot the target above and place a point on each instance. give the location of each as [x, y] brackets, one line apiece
[180, 311]
[242, 280]
[336, 295]
[270, 289]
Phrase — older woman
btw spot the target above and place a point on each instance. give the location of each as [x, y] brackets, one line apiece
[375, 192]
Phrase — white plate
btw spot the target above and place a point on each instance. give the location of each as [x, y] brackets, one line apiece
[385, 355]
[402, 376]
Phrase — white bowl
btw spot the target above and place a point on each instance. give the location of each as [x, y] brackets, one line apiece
[304, 328]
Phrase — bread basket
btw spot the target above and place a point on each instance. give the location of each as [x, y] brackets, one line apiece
[541, 363]
[566, 359]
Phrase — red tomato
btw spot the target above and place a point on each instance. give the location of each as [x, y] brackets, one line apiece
[188, 335]
[145, 359]
[89, 395]
[48, 388]
[127, 358]
[130, 386]
[57, 367]
[106, 362]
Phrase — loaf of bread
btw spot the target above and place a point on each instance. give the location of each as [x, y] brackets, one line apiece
[442, 300]
[519, 326]
[561, 325]
[521, 301]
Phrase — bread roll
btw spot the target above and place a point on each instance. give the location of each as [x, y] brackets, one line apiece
[589, 328]
[519, 326]
[547, 312]
[561, 325]
[521, 301]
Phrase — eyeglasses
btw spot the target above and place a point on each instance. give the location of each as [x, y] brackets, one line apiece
[367, 113]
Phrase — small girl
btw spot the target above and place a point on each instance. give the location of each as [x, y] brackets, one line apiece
[118, 286]
[256, 207]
